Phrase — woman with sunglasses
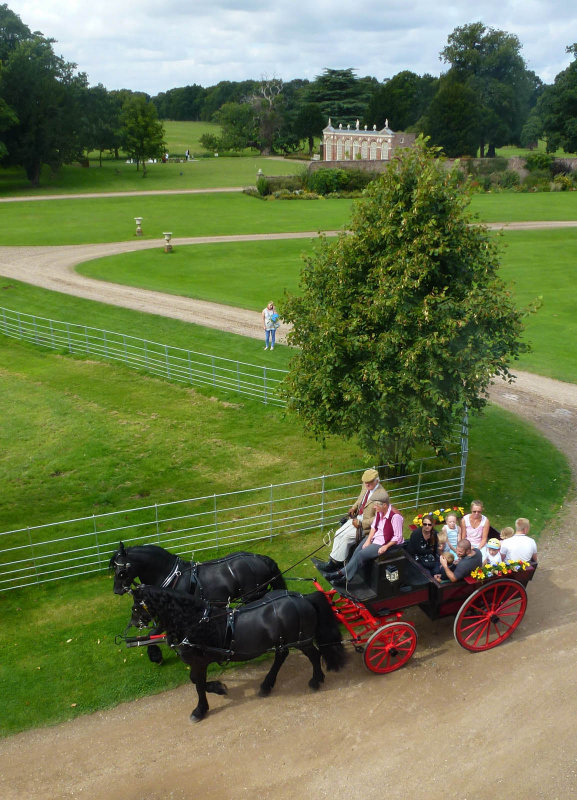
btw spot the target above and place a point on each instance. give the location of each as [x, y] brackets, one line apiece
[423, 545]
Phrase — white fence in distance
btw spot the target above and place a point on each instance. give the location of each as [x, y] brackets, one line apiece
[163, 360]
[71, 548]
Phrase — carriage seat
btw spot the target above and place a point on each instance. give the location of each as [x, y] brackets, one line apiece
[393, 573]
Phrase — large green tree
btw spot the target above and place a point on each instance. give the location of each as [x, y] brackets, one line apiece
[489, 62]
[453, 119]
[402, 323]
[402, 100]
[555, 116]
[44, 92]
[142, 135]
[341, 95]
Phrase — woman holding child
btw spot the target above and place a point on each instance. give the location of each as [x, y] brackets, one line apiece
[423, 545]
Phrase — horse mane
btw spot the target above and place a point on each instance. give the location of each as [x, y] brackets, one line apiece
[177, 612]
[140, 550]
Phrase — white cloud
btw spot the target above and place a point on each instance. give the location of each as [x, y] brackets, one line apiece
[153, 46]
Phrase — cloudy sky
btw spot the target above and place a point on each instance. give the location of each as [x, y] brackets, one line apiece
[153, 46]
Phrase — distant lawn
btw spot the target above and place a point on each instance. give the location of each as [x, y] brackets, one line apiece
[183, 135]
[112, 219]
[525, 207]
[118, 176]
[245, 274]
[537, 263]
[544, 264]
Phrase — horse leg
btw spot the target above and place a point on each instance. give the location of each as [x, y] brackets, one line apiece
[314, 657]
[154, 653]
[216, 687]
[198, 677]
[270, 680]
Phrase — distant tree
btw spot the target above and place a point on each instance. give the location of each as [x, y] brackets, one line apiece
[402, 100]
[267, 102]
[7, 119]
[453, 119]
[238, 125]
[142, 134]
[402, 323]
[222, 93]
[489, 62]
[309, 122]
[44, 93]
[12, 32]
[182, 103]
[340, 94]
[100, 120]
[555, 115]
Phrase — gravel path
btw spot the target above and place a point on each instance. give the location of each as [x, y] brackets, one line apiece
[450, 725]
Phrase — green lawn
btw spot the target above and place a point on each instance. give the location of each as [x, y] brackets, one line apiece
[183, 135]
[118, 176]
[129, 440]
[112, 219]
[521, 207]
[53, 305]
[243, 274]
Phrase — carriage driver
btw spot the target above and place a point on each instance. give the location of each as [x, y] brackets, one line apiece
[361, 515]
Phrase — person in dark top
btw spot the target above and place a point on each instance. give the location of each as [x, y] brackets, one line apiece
[423, 545]
[469, 559]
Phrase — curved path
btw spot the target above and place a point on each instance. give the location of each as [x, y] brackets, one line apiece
[53, 267]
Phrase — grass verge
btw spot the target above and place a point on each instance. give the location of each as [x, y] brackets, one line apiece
[59, 658]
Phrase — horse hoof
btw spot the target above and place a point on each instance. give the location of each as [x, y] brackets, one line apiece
[315, 685]
[217, 687]
[264, 691]
[197, 716]
[155, 654]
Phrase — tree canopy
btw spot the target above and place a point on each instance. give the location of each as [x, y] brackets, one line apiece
[489, 62]
[403, 323]
[555, 115]
[141, 133]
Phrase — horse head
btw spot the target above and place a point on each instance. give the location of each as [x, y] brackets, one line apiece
[175, 612]
[124, 571]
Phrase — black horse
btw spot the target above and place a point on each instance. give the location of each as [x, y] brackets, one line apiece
[203, 634]
[236, 577]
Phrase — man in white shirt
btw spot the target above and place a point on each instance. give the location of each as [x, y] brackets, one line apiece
[520, 547]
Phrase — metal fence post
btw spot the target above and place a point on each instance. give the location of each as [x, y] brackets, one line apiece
[216, 522]
[96, 538]
[52, 335]
[323, 504]
[19, 325]
[105, 345]
[156, 520]
[68, 335]
[166, 361]
[189, 368]
[264, 386]
[271, 504]
[35, 330]
[213, 371]
[86, 340]
[417, 498]
[464, 449]
[124, 346]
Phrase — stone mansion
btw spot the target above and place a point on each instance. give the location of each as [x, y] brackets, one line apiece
[360, 144]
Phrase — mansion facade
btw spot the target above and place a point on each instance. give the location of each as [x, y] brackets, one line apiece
[360, 144]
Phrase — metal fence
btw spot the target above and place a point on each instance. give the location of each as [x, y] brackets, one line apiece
[51, 552]
[174, 363]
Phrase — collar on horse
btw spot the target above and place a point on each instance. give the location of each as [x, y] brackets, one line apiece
[173, 577]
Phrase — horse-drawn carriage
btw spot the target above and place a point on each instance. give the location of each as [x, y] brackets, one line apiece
[204, 630]
[371, 607]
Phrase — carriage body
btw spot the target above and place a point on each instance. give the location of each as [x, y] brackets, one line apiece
[371, 608]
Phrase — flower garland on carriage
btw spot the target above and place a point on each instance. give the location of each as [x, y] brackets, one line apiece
[439, 515]
[502, 568]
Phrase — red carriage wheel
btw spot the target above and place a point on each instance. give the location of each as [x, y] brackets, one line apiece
[390, 647]
[490, 615]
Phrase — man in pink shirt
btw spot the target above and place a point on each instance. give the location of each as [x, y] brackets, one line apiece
[386, 532]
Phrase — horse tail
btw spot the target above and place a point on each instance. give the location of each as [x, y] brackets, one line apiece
[277, 581]
[327, 633]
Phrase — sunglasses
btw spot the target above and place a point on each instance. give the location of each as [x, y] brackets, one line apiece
[427, 525]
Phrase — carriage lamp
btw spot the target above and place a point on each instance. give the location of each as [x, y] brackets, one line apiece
[167, 245]
[138, 221]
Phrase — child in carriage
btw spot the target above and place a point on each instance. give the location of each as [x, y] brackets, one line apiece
[493, 553]
[451, 530]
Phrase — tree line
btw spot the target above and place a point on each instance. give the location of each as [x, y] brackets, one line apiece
[485, 99]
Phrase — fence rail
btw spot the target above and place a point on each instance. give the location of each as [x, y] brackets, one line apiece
[69, 548]
[166, 361]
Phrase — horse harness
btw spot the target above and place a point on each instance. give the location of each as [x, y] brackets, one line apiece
[231, 619]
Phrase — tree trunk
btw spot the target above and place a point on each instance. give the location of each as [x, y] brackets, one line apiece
[491, 151]
[311, 146]
[33, 172]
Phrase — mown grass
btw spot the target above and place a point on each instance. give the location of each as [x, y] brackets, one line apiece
[118, 176]
[111, 219]
[59, 658]
[22, 297]
[521, 207]
[183, 135]
[243, 273]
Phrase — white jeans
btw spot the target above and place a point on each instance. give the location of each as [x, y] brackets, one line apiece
[342, 540]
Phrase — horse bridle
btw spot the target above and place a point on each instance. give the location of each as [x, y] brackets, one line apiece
[121, 571]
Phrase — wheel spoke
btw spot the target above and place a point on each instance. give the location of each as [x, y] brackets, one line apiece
[490, 615]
